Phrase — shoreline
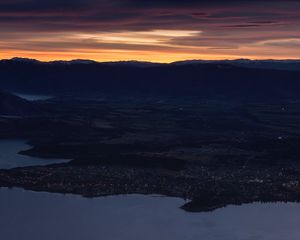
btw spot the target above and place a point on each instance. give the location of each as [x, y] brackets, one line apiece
[206, 193]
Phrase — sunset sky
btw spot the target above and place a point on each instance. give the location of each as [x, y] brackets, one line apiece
[149, 30]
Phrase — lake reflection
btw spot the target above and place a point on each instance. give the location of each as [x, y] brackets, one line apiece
[33, 216]
[33, 97]
[9, 157]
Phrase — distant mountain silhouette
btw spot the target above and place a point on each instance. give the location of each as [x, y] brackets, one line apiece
[292, 65]
[14, 105]
[182, 78]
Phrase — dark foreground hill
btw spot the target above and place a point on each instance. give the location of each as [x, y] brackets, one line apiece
[14, 105]
[201, 79]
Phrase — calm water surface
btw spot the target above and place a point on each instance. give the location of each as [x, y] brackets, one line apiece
[9, 157]
[33, 216]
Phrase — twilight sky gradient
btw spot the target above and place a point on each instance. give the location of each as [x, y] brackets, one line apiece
[149, 30]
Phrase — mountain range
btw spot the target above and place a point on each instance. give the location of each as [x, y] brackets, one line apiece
[288, 64]
[234, 78]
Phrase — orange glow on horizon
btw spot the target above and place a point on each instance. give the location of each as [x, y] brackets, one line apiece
[106, 56]
[115, 56]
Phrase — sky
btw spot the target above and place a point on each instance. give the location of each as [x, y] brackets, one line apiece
[149, 30]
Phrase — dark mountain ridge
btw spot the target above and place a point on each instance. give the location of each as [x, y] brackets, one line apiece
[201, 79]
[287, 64]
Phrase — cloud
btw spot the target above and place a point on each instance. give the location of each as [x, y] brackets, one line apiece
[228, 28]
[289, 42]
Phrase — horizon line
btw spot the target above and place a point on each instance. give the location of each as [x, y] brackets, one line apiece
[139, 61]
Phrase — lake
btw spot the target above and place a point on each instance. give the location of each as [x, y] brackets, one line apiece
[9, 157]
[29, 215]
